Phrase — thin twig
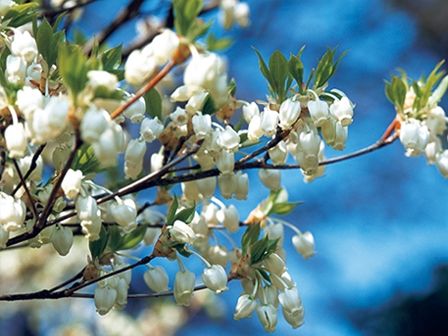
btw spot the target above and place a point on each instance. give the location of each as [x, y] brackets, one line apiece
[33, 166]
[153, 82]
[27, 190]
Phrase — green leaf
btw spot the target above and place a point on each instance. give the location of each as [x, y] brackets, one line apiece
[262, 249]
[217, 44]
[86, 161]
[295, 67]
[209, 106]
[250, 236]
[73, 68]
[182, 249]
[278, 68]
[20, 14]
[47, 41]
[326, 68]
[283, 208]
[115, 238]
[185, 14]
[264, 69]
[153, 102]
[132, 239]
[98, 246]
[186, 215]
[198, 29]
[111, 59]
[170, 218]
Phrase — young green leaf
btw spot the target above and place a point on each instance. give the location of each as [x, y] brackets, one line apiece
[153, 102]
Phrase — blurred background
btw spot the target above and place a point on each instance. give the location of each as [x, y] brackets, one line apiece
[380, 221]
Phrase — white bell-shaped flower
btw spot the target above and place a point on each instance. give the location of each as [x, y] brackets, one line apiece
[156, 278]
[104, 298]
[228, 139]
[225, 162]
[250, 111]
[289, 112]
[124, 213]
[71, 184]
[227, 184]
[4, 236]
[304, 244]
[319, 111]
[342, 109]
[29, 100]
[16, 141]
[15, 69]
[102, 79]
[202, 125]
[94, 122]
[24, 45]
[133, 157]
[271, 178]
[245, 306]
[242, 186]
[182, 232]
[184, 287]
[207, 186]
[215, 278]
[414, 135]
[267, 314]
[269, 122]
[230, 218]
[442, 163]
[164, 45]
[138, 67]
[136, 112]
[12, 214]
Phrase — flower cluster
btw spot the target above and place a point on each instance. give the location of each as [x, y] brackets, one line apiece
[422, 121]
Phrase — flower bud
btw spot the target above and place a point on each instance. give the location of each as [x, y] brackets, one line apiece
[267, 314]
[269, 121]
[104, 299]
[52, 120]
[184, 287]
[245, 306]
[319, 112]
[202, 125]
[16, 141]
[228, 139]
[288, 113]
[62, 240]
[182, 232]
[215, 278]
[343, 111]
[242, 186]
[270, 178]
[340, 137]
[99, 79]
[190, 190]
[157, 279]
[436, 121]
[71, 184]
[304, 244]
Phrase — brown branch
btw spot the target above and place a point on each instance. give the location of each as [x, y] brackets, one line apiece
[55, 12]
[33, 166]
[27, 190]
[153, 82]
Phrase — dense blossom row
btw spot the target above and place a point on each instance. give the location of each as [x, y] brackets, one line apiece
[40, 108]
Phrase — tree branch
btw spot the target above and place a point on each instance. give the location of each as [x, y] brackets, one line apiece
[33, 166]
